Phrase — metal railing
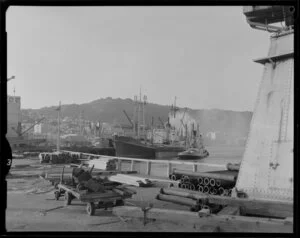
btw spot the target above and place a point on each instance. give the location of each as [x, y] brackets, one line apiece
[149, 162]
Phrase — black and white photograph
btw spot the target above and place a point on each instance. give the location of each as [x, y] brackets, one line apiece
[150, 118]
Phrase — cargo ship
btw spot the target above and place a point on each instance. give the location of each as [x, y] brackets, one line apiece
[142, 146]
[134, 148]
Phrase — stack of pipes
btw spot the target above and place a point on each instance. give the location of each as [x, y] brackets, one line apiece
[194, 200]
[215, 183]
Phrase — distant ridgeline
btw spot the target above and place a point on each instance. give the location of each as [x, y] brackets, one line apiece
[217, 126]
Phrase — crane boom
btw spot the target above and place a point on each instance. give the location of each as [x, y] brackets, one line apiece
[12, 77]
[32, 126]
[128, 118]
[161, 121]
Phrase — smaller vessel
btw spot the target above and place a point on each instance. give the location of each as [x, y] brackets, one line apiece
[193, 154]
[196, 150]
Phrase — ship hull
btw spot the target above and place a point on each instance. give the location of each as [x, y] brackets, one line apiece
[167, 152]
[128, 147]
[134, 150]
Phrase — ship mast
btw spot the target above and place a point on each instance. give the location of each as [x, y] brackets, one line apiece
[139, 115]
[139, 111]
[58, 127]
[144, 122]
[81, 122]
[135, 116]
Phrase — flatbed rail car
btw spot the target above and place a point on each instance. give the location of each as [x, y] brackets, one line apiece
[94, 200]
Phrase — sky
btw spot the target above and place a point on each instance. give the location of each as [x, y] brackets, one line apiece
[202, 55]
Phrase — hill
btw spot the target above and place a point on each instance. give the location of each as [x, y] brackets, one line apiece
[103, 110]
[230, 124]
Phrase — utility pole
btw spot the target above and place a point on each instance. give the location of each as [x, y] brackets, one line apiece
[58, 129]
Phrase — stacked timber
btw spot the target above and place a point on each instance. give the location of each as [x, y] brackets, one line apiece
[215, 183]
[103, 164]
[131, 180]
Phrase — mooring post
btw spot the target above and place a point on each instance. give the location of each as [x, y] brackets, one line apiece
[148, 167]
[169, 169]
[132, 165]
[194, 168]
[119, 165]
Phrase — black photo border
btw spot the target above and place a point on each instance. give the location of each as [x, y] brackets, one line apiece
[4, 153]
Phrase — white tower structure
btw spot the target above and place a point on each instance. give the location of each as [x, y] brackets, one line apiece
[266, 171]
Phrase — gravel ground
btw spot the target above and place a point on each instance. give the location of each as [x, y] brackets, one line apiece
[31, 205]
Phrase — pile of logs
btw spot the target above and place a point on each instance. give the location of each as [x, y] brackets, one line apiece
[215, 183]
[59, 158]
[104, 164]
